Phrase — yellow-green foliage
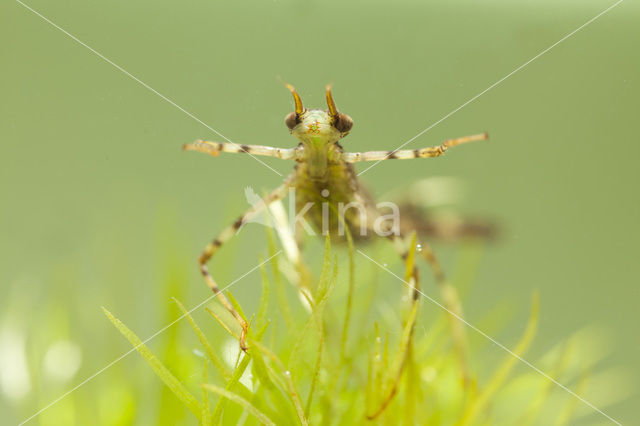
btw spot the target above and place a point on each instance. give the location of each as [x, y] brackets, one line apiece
[313, 367]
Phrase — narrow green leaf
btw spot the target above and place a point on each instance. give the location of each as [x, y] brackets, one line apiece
[286, 375]
[236, 305]
[316, 372]
[262, 418]
[206, 411]
[316, 315]
[534, 408]
[478, 405]
[260, 368]
[161, 371]
[326, 269]
[352, 284]
[277, 390]
[235, 378]
[572, 403]
[369, 388]
[285, 309]
[377, 367]
[295, 397]
[222, 323]
[261, 317]
[204, 341]
[399, 362]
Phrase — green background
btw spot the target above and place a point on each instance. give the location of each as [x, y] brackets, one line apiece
[101, 208]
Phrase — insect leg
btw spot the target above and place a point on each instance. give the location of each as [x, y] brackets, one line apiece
[223, 237]
[400, 245]
[403, 250]
[299, 274]
[215, 148]
[453, 306]
[409, 154]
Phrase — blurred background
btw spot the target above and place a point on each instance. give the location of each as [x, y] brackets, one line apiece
[100, 207]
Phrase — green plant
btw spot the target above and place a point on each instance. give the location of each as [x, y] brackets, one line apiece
[312, 367]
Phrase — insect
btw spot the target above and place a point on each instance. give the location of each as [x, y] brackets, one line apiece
[323, 175]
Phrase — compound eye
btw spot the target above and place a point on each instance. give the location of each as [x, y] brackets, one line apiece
[343, 123]
[291, 120]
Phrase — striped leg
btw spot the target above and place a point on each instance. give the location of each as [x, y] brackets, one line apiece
[215, 148]
[408, 154]
[401, 246]
[452, 304]
[223, 237]
[399, 242]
